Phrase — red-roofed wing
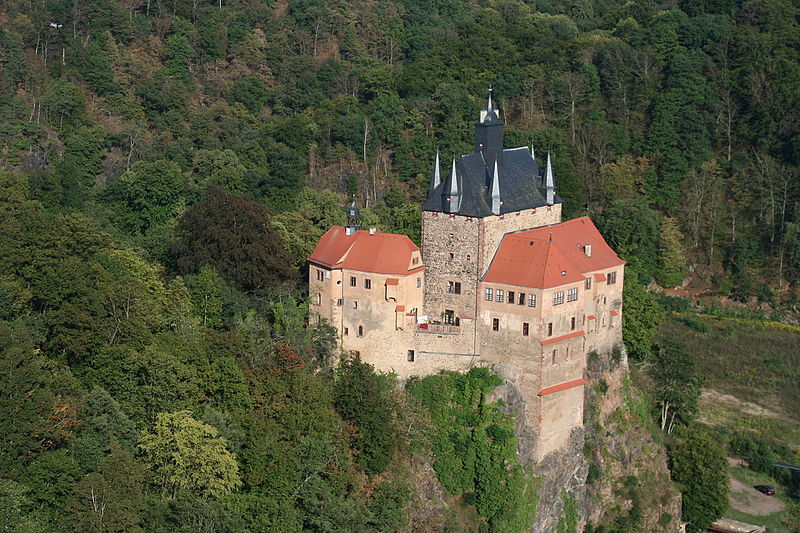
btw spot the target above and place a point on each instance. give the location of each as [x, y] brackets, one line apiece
[381, 253]
[551, 256]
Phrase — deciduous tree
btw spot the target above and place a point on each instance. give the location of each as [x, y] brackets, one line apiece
[234, 235]
[187, 455]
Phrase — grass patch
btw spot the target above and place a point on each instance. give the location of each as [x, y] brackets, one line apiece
[753, 360]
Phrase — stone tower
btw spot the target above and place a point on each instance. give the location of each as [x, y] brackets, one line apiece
[485, 194]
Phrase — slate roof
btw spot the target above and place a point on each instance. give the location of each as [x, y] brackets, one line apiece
[380, 253]
[521, 185]
[551, 256]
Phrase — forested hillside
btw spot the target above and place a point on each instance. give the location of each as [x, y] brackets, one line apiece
[166, 166]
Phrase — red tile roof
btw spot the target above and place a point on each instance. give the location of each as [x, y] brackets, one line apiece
[551, 256]
[380, 253]
[562, 386]
[399, 308]
[563, 337]
[614, 312]
[591, 317]
[392, 281]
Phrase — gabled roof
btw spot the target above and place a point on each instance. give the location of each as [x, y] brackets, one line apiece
[380, 253]
[551, 256]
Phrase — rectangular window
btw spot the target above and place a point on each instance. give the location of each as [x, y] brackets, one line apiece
[511, 297]
[531, 300]
[489, 295]
[521, 300]
[352, 281]
[495, 324]
[355, 304]
[415, 260]
[339, 302]
[346, 332]
[525, 328]
[558, 298]
[572, 294]
[320, 275]
[419, 282]
[367, 283]
[549, 329]
[555, 356]
[457, 288]
[612, 278]
[319, 299]
[572, 323]
[410, 356]
[500, 295]
[588, 284]
[449, 316]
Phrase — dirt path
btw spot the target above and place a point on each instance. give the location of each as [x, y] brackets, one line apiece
[748, 500]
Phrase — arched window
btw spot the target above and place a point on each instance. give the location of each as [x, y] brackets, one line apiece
[360, 331]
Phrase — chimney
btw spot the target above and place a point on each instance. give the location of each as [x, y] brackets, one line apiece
[587, 248]
[372, 231]
[348, 230]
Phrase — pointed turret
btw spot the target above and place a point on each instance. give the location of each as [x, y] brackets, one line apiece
[451, 193]
[353, 219]
[549, 182]
[436, 179]
[489, 133]
[496, 203]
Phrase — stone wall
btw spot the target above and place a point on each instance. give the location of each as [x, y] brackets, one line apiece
[450, 247]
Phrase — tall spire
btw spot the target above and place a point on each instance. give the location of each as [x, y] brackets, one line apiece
[533, 153]
[549, 182]
[490, 107]
[496, 191]
[450, 193]
[436, 179]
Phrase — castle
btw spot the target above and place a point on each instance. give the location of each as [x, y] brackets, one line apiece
[500, 281]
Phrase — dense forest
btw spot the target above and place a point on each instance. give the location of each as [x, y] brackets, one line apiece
[166, 166]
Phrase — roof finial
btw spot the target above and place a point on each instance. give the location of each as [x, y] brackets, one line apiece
[533, 153]
[490, 107]
[496, 203]
[549, 182]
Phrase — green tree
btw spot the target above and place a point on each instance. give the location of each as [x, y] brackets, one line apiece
[206, 291]
[38, 406]
[362, 399]
[187, 455]
[84, 149]
[110, 500]
[104, 425]
[221, 167]
[15, 513]
[641, 318]
[50, 478]
[152, 193]
[632, 229]
[676, 385]
[672, 262]
[699, 466]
